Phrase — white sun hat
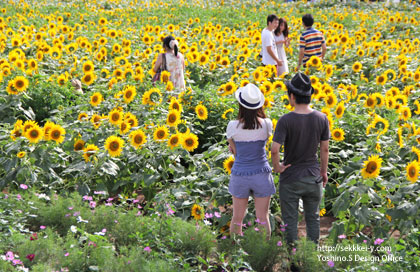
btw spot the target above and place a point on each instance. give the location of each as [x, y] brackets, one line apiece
[250, 97]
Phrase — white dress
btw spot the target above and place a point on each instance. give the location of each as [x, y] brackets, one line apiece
[174, 64]
[282, 55]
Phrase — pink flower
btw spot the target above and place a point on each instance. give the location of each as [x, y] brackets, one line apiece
[342, 236]
[217, 214]
[223, 237]
[70, 208]
[135, 201]
[42, 227]
[23, 186]
[208, 215]
[139, 207]
[19, 197]
[365, 241]
[86, 197]
[76, 214]
[30, 257]
[110, 199]
[16, 261]
[92, 204]
[34, 236]
[249, 223]
[9, 256]
[66, 254]
[378, 241]
[103, 230]
[256, 229]
[330, 263]
[293, 251]
[147, 249]
[279, 243]
[91, 244]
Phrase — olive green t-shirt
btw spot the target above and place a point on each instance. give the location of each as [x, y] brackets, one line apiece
[301, 135]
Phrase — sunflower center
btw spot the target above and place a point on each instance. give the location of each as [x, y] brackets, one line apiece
[128, 94]
[95, 99]
[189, 142]
[161, 134]
[138, 139]
[339, 111]
[78, 146]
[337, 134]
[412, 171]
[172, 118]
[115, 117]
[371, 167]
[174, 140]
[19, 84]
[55, 134]
[34, 134]
[114, 146]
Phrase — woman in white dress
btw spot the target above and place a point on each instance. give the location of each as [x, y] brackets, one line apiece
[174, 63]
[281, 36]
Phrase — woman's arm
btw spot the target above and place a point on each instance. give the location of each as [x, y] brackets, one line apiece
[232, 147]
[158, 63]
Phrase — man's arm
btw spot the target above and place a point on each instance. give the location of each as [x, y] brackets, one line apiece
[324, 161]
[301, 54]
[323, 50]
[275, 158]
[271, 53]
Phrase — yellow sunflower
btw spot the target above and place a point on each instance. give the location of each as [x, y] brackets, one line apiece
[338, 134]
[129, 93]
[314, 61]
[160, 133]
[20, 83]
[357, 67]
[138, 138]
[227, 114]
[201, 112]
[174, 140]
[114, 145]
[372, 167]
[56, 133]
[228, 164]
[96, 99]
[197, 212]
[381, 80]
[173, 119]
[131, 119]
[88, 67]
[413, 169]
[21, 154]
[115, 117]
[164, 76]
[34, 134]
[88, 78]
[96, 120]
[47, 128]
[175, 105]
[339, 111]
[89, 151]
[124, 127]
[79, 145]
[190, 142]
[82, 116]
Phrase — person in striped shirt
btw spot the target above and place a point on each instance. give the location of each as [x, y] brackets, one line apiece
[312, 42]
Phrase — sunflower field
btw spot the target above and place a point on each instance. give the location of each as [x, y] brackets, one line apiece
[125, 175]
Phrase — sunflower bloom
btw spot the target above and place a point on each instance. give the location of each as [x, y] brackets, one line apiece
[56, 133]
[201, 112]
[338, 134]
[79, 145]
[129, 94]
[115, 117]
[197, 212]
[137, 138]
[175, 105]
[89, 151]
[114, 145]
[21, 154]
[228, 164]
[174, 140]
[34, 134]
[372, 167]
[190, 142]
[413, 169]
[96, 99]
[161, 133]
[173, 119]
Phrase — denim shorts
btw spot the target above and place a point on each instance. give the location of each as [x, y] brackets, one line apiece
[258, 185]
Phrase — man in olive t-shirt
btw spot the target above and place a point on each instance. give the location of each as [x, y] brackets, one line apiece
[301, 132]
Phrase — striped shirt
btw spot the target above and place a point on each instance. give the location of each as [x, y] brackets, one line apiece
[311, 40]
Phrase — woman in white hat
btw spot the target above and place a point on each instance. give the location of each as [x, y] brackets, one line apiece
[251, 172]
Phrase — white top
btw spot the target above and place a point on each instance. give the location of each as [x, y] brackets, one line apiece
[175, 66]
[267, 39]
[281, 54]
[237, 133]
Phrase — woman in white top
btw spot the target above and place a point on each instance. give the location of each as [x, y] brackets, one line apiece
[281, 36]
[174, 63]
